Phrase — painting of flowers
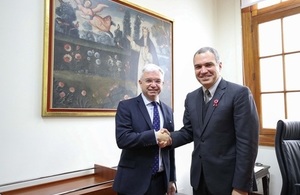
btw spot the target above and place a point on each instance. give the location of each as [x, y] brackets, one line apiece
[94, 52]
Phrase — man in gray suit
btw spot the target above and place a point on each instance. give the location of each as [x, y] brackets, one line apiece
[224, 131]
[136, 136]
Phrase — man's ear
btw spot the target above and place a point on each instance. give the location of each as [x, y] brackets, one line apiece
[220, 65]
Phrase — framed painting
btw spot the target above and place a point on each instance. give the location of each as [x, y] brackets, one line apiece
[94, 51]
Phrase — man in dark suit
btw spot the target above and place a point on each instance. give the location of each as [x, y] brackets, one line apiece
[224, 131]
[136, 136]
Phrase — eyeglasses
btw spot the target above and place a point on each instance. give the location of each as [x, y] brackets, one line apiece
[151, 81]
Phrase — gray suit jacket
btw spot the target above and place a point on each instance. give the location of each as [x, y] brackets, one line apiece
[135, 136]
[225, 139]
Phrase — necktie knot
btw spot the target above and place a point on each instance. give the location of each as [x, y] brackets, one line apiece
[207, 96]
[154, 103]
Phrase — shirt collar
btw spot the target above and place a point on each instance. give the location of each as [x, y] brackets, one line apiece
[213, 89]
[147, 102]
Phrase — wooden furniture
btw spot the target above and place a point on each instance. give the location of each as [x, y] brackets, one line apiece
[98, 183]
[263, 174]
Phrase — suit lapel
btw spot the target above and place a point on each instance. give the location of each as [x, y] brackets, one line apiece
[199, 107]
[143, 109]
[212, 104]
[164, 113]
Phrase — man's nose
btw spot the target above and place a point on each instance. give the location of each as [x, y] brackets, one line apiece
[203, 69]
[153, 83]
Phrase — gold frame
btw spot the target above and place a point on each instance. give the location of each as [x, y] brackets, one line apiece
[65, 67]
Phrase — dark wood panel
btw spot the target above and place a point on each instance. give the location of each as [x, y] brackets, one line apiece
[100, 182]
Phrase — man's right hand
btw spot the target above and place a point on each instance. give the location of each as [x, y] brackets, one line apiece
[163, 138]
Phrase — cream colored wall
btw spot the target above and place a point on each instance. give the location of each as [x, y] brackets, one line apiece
[32, 146]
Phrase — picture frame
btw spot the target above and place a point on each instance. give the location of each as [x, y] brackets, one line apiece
[93, 53]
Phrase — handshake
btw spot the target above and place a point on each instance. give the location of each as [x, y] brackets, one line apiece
[163, 138]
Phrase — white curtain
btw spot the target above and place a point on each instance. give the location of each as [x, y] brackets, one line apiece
[247, 3]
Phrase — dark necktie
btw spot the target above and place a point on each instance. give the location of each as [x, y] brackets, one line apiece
[156, 126]
[207, 96]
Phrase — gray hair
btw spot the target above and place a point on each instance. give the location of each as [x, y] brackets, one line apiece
[210, 49]
[151, 68]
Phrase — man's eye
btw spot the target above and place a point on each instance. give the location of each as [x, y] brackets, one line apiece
[155, 81]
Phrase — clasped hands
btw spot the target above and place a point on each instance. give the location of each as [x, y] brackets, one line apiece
[163, 138]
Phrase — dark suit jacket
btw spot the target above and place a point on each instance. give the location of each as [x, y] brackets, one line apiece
[135, 136]
[225, 142]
